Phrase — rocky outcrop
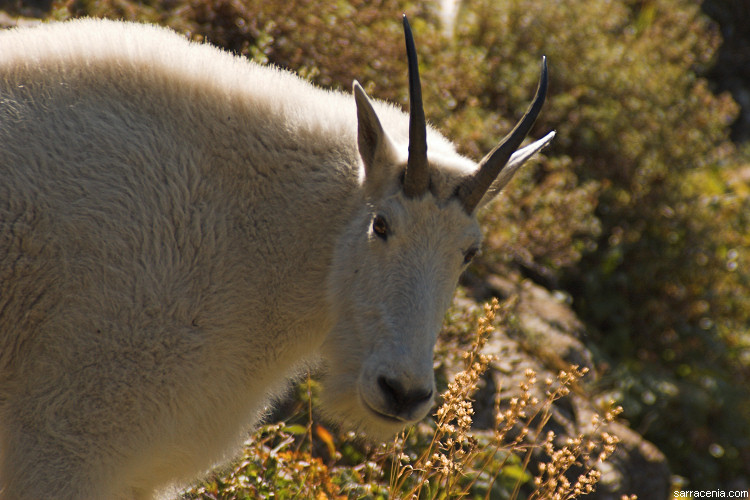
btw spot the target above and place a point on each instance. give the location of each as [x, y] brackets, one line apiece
[547, 339]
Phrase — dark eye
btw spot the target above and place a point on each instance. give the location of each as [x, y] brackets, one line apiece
[470, 254]
[380, 227]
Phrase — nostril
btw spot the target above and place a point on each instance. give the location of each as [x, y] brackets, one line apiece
[425, 395]
[391, 390]
[400, 400]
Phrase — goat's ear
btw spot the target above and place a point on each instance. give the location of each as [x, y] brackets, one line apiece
[515, 162]
[375, 147]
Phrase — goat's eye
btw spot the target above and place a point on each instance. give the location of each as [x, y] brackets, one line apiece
[380, 227]
[470, 254]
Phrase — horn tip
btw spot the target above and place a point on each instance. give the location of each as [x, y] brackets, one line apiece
[543, 80]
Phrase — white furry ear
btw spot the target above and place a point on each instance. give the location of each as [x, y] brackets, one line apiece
[375, 146]
[515, 162]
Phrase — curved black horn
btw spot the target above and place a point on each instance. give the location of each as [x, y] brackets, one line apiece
[417, 177]
[472, 190]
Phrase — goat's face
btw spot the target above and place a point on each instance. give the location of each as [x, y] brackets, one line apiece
[397, 262]
[395, 271]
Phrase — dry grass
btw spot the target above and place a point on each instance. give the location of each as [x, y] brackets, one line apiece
[456, 459]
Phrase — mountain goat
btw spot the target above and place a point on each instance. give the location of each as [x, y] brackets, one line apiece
[182, 231]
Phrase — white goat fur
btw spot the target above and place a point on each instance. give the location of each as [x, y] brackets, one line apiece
[181, 231]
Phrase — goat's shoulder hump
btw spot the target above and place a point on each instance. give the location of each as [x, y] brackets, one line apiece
[168, 62]
[84, 42]
[175, 64]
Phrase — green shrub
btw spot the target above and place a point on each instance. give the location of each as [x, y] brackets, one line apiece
[663, 293]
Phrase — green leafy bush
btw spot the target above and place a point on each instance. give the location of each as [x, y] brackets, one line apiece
[662, 293]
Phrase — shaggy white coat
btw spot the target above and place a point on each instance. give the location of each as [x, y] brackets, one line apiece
[181, 231]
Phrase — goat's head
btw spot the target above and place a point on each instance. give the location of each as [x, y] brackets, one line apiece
[399, 260]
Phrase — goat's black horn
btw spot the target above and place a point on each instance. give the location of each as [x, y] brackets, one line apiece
[417, 177]
[471, 191]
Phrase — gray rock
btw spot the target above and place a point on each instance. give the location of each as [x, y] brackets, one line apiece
[544, 336]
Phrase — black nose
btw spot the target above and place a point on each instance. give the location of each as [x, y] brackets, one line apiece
[399, 401]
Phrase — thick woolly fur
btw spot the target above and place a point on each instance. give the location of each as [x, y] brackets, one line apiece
[181, 231]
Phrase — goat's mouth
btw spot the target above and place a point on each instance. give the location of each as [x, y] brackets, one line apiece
[381, 415]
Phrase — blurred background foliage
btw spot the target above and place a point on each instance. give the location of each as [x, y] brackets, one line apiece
[639, 211]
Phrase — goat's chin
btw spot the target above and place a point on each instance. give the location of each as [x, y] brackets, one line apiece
[347, 409]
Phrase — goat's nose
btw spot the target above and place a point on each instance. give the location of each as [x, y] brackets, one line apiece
[400, 401]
